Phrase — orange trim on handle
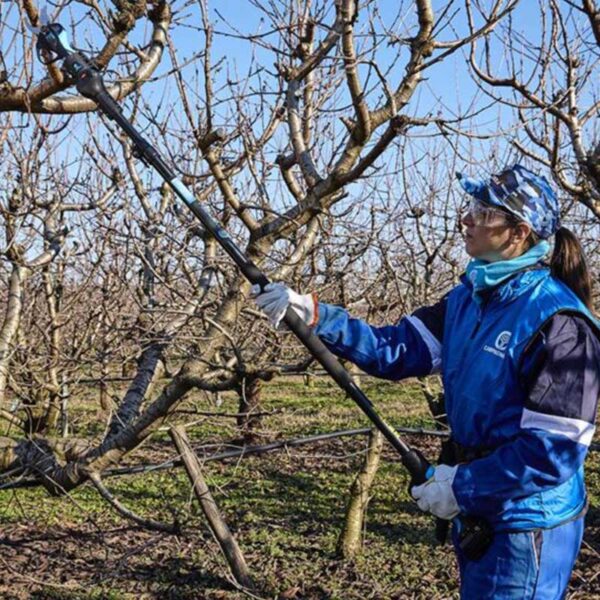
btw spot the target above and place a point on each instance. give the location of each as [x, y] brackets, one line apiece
[315, 318]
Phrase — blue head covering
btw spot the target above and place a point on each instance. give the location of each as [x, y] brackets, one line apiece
[523, 193]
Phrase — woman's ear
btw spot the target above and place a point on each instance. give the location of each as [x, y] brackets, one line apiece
[521, 232]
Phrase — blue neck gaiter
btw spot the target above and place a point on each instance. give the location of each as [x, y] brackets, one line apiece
[484, 275]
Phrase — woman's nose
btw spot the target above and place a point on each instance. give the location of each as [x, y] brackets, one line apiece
[467, 219]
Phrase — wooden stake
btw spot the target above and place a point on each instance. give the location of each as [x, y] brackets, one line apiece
[217, 524]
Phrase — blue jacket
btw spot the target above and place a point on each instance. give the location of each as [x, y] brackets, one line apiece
[533, 478]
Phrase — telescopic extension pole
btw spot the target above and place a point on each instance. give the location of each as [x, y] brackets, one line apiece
[53, 41]
[89, 83]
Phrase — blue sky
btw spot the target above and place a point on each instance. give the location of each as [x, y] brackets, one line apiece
[447, 90]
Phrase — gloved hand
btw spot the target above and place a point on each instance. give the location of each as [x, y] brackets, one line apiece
[275, 299]
[436, 495]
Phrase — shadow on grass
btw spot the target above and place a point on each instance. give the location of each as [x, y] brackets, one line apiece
[176, 574]
[410, 530]
[593, 516]
[315, 504]
[115, 564]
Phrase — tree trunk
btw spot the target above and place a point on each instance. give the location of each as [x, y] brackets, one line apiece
[11, 322]
[355, 372]
[249, 405]
[350, 540]
[52, 288]
[436, 402]
[309, 380]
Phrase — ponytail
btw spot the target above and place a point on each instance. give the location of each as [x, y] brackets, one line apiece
[568, 263]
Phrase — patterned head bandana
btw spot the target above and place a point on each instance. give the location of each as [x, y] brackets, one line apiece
[524, 194]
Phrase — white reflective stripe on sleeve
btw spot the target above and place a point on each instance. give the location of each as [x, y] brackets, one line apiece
[575, 429]
[432, 343]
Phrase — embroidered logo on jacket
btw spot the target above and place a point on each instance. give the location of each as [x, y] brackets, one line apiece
[500, 345]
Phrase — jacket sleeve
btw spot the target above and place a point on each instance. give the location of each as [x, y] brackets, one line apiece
[409, 349]
[561, 372]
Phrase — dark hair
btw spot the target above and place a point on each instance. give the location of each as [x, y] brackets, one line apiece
[569, 264]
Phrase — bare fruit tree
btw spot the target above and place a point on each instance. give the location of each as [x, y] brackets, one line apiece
[551, 84]
[272, 154]
[314, 132]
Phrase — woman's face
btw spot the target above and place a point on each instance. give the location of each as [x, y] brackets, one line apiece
[490, 236]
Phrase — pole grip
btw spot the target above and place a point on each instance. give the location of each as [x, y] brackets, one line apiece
[418, 466]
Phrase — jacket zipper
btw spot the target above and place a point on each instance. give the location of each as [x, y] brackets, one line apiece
[467, 347]
[477, 325]
[479, 318]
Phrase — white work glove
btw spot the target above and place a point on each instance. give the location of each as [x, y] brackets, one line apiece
[436, 495]
[275, 299]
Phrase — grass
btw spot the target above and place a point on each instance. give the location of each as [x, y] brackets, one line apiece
[285, 508]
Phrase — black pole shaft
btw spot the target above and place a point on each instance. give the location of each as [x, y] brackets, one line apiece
[90, 84]
[475, 534]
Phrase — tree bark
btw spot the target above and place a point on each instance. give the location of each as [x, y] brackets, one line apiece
[436, 402]
[11, 322]
[350, 540]
[249, 405]
[217, 525]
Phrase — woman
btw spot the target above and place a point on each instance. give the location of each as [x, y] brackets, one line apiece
[519, 352]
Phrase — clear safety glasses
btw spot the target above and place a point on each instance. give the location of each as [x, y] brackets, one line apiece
[484, 215]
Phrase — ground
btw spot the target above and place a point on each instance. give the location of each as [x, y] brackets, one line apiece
[286, 509]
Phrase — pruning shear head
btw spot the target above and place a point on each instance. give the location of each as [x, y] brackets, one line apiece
[52, 41]
[48, 46]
